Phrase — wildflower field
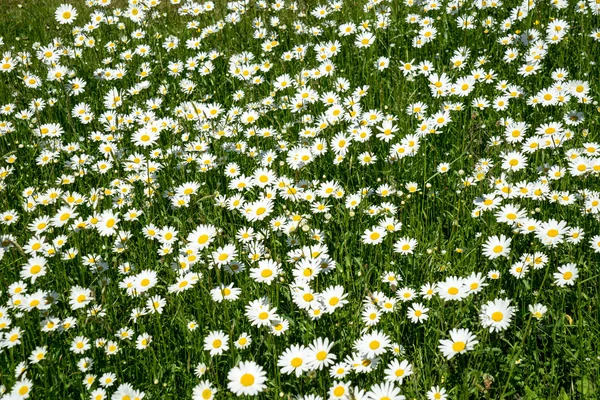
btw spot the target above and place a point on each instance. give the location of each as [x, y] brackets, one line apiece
[303, 200]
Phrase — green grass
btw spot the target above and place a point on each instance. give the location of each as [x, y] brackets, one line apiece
[555, 357]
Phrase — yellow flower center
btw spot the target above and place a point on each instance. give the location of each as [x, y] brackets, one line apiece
[458, 346]
[497, 316]
[296, 362]
[247, 380]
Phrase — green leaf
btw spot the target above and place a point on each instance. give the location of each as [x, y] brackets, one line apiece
[585, 387]
[530, 394]
[563, 395]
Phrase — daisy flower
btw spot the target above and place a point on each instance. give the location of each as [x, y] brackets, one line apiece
[475, 282]
[339, 390]
[65, 14]
[566, 275]
[437, 393]
[246, 379]
[334, 298]
[293, 360]
[201, 237]
[496, 314]
[204, 391]
[552, 232]
[243, 341]
[417, 313]
[319, 354]
[35, 268]
[142, 341]
[216, 342]
[266, 272]
[225, 292]
[537, 310]
[372, 344]
[79, 297]
[497, 246]
[224, 255]
[385, 391]
[374, 235]
[396, 371]
[453, 288]
[461, 341]
[405, 245]
[21, 389]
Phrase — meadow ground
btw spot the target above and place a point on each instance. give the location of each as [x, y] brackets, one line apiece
[328, 199]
